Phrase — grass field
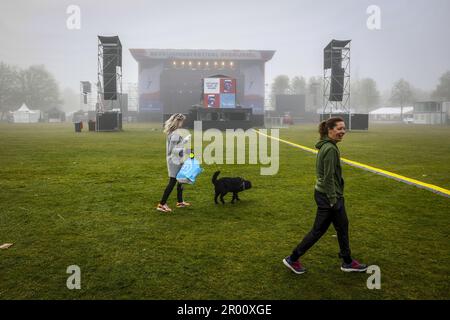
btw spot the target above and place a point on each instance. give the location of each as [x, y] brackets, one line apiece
[88, 199]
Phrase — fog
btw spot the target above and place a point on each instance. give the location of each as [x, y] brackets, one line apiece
[411, 44]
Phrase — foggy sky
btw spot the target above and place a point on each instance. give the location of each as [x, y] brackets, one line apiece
[413, 42]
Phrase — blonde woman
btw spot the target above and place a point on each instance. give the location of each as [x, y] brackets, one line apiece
[174, 157]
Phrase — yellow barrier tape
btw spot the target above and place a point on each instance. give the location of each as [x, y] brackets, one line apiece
[417, 183]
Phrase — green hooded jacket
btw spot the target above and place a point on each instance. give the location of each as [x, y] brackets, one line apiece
[328, 170]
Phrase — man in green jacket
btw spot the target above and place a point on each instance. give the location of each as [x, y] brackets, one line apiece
[329, 196]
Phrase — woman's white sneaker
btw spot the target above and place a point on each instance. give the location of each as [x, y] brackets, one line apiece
[163, 208]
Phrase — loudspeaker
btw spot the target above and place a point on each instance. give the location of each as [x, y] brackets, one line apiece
[112, 43]
[110, 56]
[332, 54]
[332, 58]
[359, 121]
[86, 87]
[109, 121]
[337, 84]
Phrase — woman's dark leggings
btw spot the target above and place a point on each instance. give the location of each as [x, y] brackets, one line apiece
[325, 216]
[169, 188]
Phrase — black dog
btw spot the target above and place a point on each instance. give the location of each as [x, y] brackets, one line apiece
[225, 185]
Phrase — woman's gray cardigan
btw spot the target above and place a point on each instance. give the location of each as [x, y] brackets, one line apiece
[174, 153]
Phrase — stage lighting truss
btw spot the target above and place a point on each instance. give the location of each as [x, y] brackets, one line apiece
[201, 64]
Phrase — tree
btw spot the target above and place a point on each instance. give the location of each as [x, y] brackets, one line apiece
[420, 94]
[365, 95]
[9, 88]
[70, 100]
[315, 93]
[280, 85]
[442, 91]
[39, 88]
[402, 94]
[298, 85]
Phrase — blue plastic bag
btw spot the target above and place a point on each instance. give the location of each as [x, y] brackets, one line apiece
[189, 171]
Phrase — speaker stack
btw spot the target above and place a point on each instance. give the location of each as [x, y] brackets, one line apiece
[109, 113]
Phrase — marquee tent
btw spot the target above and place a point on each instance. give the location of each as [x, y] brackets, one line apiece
[25, 115]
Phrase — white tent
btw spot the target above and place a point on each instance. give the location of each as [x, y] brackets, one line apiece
[391, 110]
[25, 115]
[390, 113]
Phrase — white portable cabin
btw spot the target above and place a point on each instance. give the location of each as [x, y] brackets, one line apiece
[430, 112]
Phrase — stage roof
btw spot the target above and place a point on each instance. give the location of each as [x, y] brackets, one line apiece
[334, 44]
[203, 54]
[108, 41]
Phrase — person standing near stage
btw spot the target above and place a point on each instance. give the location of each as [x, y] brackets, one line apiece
[174, 157]
[329, 197]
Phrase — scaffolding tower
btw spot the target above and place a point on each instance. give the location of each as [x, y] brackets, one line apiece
[109, 73]
[336, 78]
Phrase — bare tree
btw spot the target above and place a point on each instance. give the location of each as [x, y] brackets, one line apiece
[315, 93]
[365, 95]
[298, 85]
[402, 94]
[442, 91]
[9, 89]
[70, 100]
[280, 85]
[39, 88]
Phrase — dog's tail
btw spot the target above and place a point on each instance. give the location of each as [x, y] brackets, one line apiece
[215, 175]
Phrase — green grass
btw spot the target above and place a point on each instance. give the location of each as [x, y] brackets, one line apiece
[88, 199]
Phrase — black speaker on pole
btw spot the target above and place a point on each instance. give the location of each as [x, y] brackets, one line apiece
[110, 62]
[86, 87]
[112, 58]
[109, 74]
[337, 84]
[332, 58]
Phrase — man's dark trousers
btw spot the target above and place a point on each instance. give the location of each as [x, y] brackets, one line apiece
[324, 217]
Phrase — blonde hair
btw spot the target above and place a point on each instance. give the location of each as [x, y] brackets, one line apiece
[173, 123]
